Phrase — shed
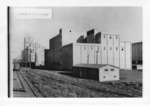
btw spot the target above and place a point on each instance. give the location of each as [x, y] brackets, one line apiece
[99, 72]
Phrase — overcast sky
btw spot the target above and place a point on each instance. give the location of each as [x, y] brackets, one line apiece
[126, 21]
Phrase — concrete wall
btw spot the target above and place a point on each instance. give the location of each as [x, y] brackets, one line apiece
[90, 53]
[98, 37]
[104, 48]
[53, 59]
[67, 56]
[108, 73]
[56, 42]
[80, 39]
[59, 58]
[125, 55]
[137, 53]
[90, 36]
[116, 50]
[85, 53]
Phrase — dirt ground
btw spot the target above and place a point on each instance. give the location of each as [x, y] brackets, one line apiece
[61, 84]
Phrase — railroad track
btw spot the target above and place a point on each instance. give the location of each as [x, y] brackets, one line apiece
[22, 89]
[118, 93]
[31, 87]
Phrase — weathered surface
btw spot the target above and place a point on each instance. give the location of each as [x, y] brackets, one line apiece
[54, 84]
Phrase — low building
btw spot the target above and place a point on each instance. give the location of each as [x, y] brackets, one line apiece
[97, 72]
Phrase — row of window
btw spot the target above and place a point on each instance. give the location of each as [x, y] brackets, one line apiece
[104, 48]
[110, 69]
[110, 37]
[113, 76]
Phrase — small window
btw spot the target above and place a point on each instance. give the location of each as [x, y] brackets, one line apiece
[104, 76]
[110, 37]
[97, 48]
[104, 36]
[116, 48]
[112, 69]
[106, 69]
[115, 76]
[110, 48]
[104, 48]
[122, 49]
[97, 51]
[116, 37]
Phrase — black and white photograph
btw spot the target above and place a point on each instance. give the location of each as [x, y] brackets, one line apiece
[75, 52]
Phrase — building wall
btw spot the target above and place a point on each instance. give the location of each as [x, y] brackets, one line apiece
[116, 50]
[108, 73]
[128, 56]
[39, 58]
[80, 39]
[56, 42]
[104, 48]
[125, 55]
[98, 37]
[110, 47]
[122, 55]
[90, 36]
[85, 53]
[108, 50]
[137, 53]
[60, 58]
[67, 56]
[82, 53]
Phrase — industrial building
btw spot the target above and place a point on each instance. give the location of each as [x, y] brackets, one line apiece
[85, 53]
[56, 41]
[33, 53]
[137, 55]
[103, 49]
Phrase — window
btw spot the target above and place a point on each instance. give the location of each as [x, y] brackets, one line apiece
[104, 76]
[122, 49]
[97, 51]
[116, 37]
[110, 37]
[116, 48]
[97, 48]
[104, 48]
[112, 69]
[106, 69]
[115, 76]
[110, 48]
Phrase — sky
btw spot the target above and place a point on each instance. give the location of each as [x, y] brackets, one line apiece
[125, 21]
